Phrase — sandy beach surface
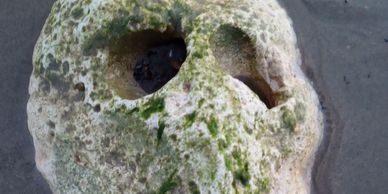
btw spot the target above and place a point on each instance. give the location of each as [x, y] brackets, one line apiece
[344, 45]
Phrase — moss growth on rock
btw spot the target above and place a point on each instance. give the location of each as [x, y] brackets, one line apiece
[77, 12]
[289, 120]
[108, 34]
[152, 106]
[169, 184]
[212, 126]
[189, 119]
[264, 185]
[242, 174]
[193, 187]
[162, 125]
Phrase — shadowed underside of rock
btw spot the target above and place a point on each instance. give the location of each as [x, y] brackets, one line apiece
[237, 115]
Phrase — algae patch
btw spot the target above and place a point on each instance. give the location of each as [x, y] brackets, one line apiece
[212, 126]
[169, 184]
[153, 106]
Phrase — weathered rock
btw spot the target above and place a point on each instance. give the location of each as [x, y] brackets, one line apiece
[96, 131]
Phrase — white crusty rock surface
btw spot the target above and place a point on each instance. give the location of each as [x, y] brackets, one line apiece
[205, 131]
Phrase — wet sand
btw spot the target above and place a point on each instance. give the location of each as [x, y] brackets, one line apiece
[20, 25]
[345, 53]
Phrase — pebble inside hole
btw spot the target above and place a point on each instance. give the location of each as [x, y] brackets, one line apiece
[143, 62]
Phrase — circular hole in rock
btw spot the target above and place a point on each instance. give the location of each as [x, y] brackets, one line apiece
[236, 54]
[143, 62]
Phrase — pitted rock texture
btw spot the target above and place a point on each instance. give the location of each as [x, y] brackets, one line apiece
[96, 131]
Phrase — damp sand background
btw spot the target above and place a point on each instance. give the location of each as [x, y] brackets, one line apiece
[344, 46]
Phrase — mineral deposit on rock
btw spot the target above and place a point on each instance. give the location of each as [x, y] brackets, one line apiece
[238, 117]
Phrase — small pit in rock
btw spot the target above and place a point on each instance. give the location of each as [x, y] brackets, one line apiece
[143, 62]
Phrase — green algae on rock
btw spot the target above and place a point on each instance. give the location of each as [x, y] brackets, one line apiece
[239, 117]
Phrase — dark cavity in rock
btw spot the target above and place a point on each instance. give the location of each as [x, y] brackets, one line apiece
[80, 87]
[97, 108]
[159, 64]
[235, 52]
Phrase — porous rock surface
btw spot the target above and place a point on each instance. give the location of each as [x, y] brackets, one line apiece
[205, 131]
